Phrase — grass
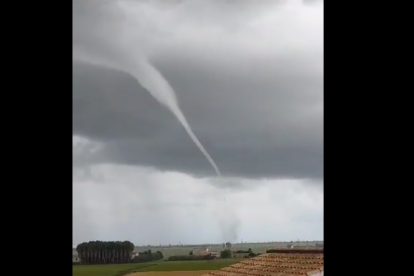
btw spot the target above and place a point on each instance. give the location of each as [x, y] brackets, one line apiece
[189, 265]
[105, 270]
[118, 270]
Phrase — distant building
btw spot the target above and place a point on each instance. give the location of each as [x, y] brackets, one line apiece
[203, 251]
[75, 256]
[214, 254]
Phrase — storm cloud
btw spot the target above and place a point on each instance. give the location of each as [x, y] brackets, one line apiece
[249, 79]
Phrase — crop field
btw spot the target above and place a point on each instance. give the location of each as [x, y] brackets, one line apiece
[191, 268]
[288, 262]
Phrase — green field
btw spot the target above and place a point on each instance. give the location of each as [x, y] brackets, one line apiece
[117, 270]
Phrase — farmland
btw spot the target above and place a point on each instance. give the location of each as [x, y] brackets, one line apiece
[121, 269]
[172, 250]
[284, 261]
[166, 268]
[294, 262]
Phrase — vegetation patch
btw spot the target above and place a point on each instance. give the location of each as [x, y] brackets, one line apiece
[107, 270]
[189, 265]
[133, 270]
[148, 256]
[123, 269]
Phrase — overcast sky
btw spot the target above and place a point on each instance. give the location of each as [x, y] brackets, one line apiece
[248, 76]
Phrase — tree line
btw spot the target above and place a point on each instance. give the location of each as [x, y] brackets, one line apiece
[148, 256]
[105, 252]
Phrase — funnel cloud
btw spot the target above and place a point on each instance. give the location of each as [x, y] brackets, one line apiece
[151, 79]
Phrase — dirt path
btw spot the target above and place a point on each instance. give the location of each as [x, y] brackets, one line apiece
[171, 273]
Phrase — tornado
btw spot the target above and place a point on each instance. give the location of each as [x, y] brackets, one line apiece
[155, 83]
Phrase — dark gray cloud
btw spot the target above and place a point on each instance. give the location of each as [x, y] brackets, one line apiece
[251, 91]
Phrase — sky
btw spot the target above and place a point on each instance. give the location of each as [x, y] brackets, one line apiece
[248, 76]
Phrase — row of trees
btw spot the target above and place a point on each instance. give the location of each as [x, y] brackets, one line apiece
[101, 252]
[148, 256]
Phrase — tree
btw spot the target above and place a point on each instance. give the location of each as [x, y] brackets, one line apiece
[225, 254]
[100, 252]
[228, 245]
[191, 253]
[158, 255]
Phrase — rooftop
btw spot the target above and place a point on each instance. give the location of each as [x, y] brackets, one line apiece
[287, 263]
